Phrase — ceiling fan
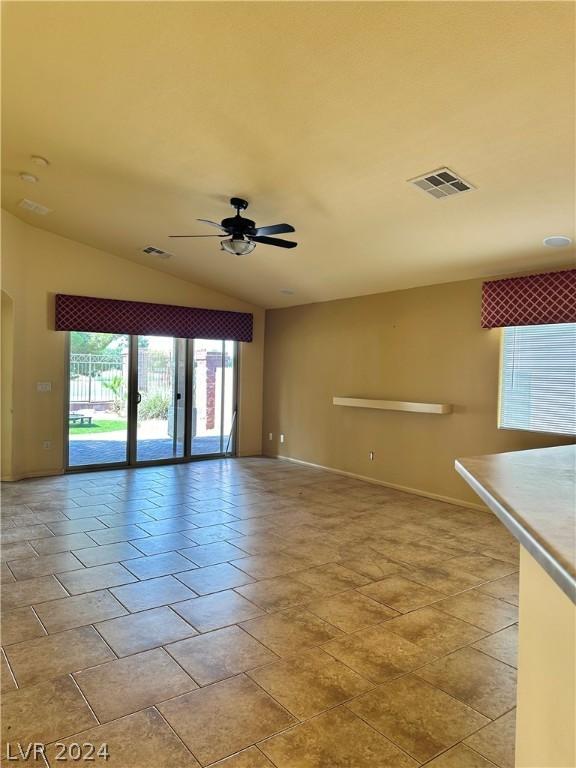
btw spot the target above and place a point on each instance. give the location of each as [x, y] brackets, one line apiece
[244, 234]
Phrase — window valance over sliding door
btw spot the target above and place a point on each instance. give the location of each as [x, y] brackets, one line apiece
[531, 300]
[86, 313]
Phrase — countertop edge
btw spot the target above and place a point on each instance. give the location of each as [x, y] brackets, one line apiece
[552, 567]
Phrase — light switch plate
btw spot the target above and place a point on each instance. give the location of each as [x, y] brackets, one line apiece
[44, 386]
[281, 437]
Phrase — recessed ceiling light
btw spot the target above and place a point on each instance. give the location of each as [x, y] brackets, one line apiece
[39, 160]
[29, 178]
[287, 291]
[557, 241]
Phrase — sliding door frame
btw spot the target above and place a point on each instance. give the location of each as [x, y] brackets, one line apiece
[131, 461]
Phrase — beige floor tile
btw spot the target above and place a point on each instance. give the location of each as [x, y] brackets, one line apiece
[482, 566]
[152, 593]
[376, 654]
[506, 588]
[142, 740]
[168, 542]
[444, 578]
[481, 610]
[20, 624]
[45, 657]
[248, 758]
[66, 543]
[120, 533]
[434, 631]
[224, 718]
[336, 739]
[281, 592]
[268, 566]
[460, 756]
[214, 553]
[107, 553]
[374, 568]
[220, 654]
[153, 566]
[214, 578]
[144, 631]
[6, 575]
[77, 611]
[350, 611]
[20, 593]
[16, 550]
[419, 718]
[411, 554]
[97, 577]
[501, 645]
[496, 741]
[126, 685]
[379, 578]
[290, 631]
[218, 610]
[400, 593]
[309, 683]
[76, 526]
[25, 533]
[45, 712]
[487, 685]
[30, 567]
[7, 682]
[213, 533]
[331, 578]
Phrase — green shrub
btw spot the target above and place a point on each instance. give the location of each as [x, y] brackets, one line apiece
[154, 406]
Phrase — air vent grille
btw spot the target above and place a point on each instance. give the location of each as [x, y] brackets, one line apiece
[441, 183]
[30, 205]
[153, 251]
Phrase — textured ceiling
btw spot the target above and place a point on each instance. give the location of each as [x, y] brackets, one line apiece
[153, 114]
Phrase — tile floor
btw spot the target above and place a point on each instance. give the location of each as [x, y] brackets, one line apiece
[253, 613]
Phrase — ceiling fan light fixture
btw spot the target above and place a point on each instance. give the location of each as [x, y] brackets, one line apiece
[237, 246]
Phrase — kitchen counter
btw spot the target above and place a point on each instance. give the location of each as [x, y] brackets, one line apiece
[533, 494]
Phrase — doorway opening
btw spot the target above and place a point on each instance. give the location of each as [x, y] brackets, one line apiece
[136, 400]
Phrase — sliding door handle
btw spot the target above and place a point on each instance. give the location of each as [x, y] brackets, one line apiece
[138, 397]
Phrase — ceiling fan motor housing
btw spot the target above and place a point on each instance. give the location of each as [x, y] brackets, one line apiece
[236, 225]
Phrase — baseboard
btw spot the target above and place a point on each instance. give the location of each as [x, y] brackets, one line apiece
[31, 475]
[395, 486]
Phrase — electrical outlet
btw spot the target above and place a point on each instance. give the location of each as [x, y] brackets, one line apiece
[371, 455]
[47, 444]
[281, 437]
[43, 386]
[270, 436]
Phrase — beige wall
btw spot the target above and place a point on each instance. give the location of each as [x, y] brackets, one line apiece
[36, 265]
[423, 344]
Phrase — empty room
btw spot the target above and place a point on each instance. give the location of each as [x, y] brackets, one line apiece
[288, 384]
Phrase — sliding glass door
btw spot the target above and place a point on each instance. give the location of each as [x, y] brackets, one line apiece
[146, 399]
[161, 398]
[97, 418]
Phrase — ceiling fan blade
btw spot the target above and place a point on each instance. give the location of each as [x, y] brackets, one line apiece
[273, 241]
[194, 235]
[275, 229]
[213, 224]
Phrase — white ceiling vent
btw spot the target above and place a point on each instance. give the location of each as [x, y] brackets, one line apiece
[151, 250]
[441, 183]
[30, 205]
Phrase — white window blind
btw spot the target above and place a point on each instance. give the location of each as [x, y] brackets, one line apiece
[538, 378]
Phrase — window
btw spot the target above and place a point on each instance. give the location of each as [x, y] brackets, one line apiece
[538, 378]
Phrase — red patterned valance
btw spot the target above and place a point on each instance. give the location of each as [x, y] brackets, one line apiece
[85, 313]
[531, 300]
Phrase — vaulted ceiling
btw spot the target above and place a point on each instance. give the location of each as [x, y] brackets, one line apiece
[153, 114]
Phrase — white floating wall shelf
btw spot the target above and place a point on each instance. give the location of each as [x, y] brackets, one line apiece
[392, 405]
